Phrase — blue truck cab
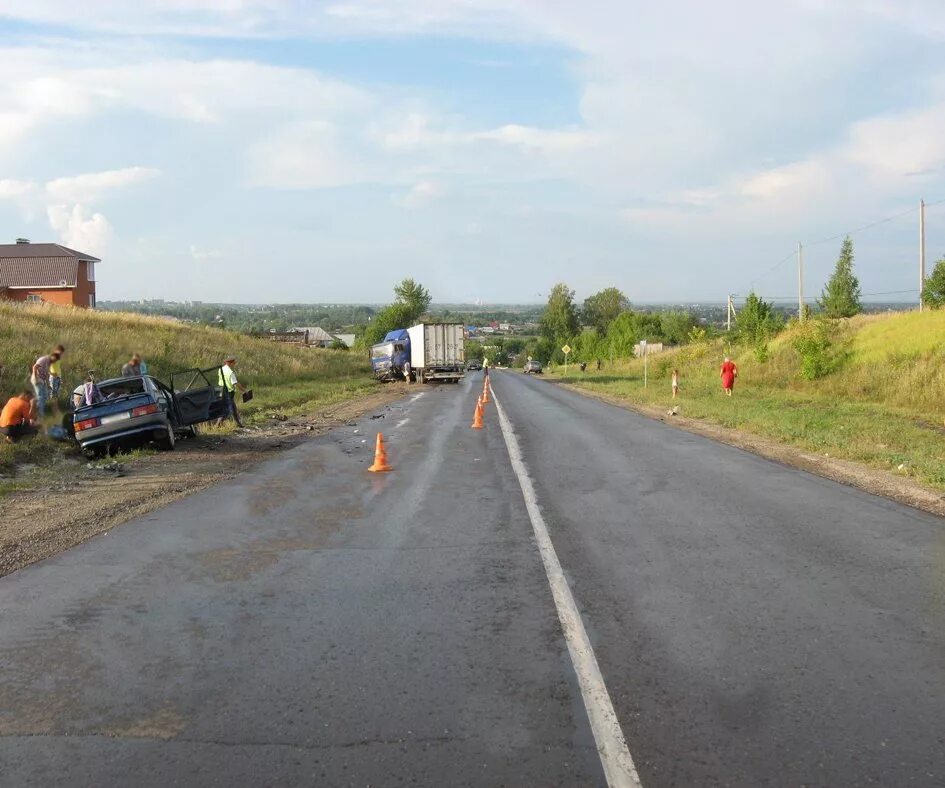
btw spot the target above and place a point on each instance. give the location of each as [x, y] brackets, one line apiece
[391, 357]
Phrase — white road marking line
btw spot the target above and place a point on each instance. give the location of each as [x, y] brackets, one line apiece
[611, 745]
[415, 397]
[401, 423]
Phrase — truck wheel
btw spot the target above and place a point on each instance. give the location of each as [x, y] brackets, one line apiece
[168, 443]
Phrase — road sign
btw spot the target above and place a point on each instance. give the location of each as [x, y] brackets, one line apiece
[566, 349]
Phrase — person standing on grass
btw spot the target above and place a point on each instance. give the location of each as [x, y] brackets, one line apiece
[728, 374]
[39, 378]
[230, 386]
[133, 368]
[55, 372]
[675, 383]
[18, 418]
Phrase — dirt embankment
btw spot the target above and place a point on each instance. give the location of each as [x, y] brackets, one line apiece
[79, 502]
[872, 480]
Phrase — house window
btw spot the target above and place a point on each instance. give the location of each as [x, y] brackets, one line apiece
[92, 300]
[90, 272]
[32, 298]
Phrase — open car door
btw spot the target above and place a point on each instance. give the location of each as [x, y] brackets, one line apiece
[198, 395]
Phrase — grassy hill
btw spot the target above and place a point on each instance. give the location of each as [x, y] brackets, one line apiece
[283, 377]
[882, 403]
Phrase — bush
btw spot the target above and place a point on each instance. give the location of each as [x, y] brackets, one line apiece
[933, 292]
[815, 346]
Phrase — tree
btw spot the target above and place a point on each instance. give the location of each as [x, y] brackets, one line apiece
[474, 351]
[623, 334]
[412, 300]
[841, 296]
[559, 322]
[933, 293]
[601, 309]
[676, 325]
[414, 295]
[757, 322]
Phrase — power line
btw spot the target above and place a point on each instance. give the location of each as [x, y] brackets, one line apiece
[771, 269]
[864, 227]
[813, 299]
[878, 222]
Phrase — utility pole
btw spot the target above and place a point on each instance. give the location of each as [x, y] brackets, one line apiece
[921, 250]
[800, 282]
[728, 314]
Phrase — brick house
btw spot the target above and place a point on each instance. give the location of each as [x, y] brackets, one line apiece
[47, 272]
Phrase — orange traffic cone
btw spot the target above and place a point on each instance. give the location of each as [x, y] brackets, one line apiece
[477, 415]
[485, 393]
[380, 457]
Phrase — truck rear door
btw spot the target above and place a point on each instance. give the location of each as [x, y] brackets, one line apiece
[198, 395]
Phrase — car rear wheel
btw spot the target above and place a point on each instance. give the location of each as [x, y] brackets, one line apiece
[170, 441]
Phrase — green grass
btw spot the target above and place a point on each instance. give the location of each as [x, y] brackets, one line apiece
[285, 378]
[883, 406]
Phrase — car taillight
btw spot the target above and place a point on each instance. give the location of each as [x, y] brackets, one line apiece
[144, 410]
[86, 424]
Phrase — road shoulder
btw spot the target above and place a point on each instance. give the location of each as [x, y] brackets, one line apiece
[872, 480]
[82, 501]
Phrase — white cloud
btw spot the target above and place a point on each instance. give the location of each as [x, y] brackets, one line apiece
[80, 228]
[420, 194]
[304, 156]
[908, 144]
[40, 86]
[544, 141]
[92, 186]
[204, 254]
[11, 189]
[65, 202]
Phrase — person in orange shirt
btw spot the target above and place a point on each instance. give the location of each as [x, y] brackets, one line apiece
[18, 418]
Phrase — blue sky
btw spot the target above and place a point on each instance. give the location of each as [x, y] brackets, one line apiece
[281, 150]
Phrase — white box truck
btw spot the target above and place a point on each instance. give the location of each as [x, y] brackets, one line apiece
[437, 352]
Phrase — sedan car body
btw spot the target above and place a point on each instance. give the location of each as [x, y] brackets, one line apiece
[136, 410]
[473, 365]
[532, 367]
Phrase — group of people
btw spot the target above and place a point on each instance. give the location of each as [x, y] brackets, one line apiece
[728, 373]
[22, 414]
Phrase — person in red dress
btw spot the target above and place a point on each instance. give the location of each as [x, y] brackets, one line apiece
[729, 373]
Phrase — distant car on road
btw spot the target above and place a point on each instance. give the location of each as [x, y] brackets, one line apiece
[532, 368]
[473, 365]
[137, 410]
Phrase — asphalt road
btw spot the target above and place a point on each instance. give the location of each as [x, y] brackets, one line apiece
[309, 623]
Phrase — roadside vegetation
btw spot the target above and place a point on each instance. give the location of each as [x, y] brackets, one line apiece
[881, 403]
[868, 388]
[284, 378]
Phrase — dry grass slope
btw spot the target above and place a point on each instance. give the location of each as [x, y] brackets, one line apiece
[282, 377]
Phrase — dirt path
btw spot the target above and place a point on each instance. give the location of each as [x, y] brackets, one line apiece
[77, 502]
[872, 480]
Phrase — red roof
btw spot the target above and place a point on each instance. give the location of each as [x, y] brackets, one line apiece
[30, 250]
[39, 272]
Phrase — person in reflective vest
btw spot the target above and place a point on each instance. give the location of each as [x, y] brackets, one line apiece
[230, 386]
